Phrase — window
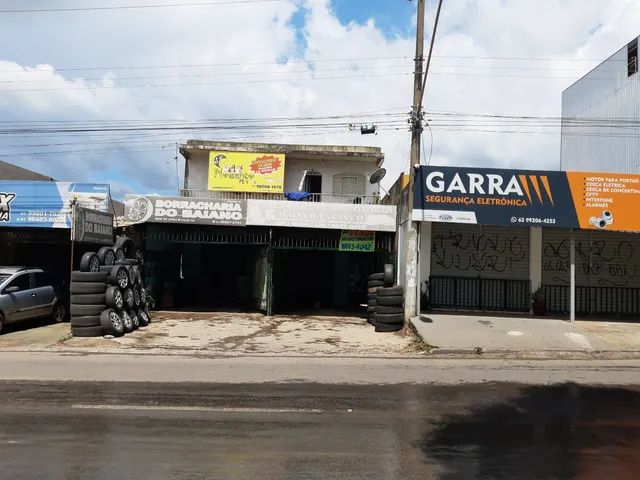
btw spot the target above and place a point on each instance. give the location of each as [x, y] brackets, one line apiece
[43, 279]
[348, 184]
[632, 58]
[21, 281]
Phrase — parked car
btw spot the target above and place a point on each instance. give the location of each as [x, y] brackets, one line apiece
[28, 293]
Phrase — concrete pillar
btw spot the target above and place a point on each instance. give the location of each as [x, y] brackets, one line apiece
[425, 253]
[535, 258]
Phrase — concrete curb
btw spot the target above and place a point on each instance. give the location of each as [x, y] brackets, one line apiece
[442, 353]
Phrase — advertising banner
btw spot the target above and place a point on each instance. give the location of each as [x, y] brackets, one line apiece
[246, 172]
[598, 201]
[338, 216]
[357, 241]
[200, 211]
[47, 204]
[92, 226]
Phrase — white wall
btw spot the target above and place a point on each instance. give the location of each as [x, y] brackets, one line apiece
[294, 169]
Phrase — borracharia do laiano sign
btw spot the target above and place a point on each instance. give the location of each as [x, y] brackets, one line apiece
[587, 200]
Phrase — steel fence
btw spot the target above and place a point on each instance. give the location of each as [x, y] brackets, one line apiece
[594, 300]
[479, 293]
[311, 197]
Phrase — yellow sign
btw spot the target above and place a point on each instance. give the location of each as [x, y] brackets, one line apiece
[246, 172]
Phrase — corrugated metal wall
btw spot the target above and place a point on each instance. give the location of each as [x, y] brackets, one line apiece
[480, 251]
[608, 95]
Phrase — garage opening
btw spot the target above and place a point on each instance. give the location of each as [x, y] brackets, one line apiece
[207, 268]
[310, 275]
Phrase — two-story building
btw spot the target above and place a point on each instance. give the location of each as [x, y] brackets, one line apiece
[277, 228]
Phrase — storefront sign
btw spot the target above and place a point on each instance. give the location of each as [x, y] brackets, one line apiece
[598, 201]
[92, 226]
[339, 216]
[246, 172]
[47, 204]
[201, 211]
[357, 241]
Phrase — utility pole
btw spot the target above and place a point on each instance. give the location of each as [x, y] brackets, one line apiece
[412, 282]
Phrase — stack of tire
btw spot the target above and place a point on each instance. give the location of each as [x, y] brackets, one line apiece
[107, 292]
[388, 315]
[376, 283]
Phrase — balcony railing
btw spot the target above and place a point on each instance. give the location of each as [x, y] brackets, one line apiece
[312, 197]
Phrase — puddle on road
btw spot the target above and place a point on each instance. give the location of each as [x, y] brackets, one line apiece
[557, 432]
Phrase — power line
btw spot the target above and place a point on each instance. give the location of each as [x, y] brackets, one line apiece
[131, 7]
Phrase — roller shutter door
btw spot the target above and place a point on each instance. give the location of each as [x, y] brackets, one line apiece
[479, 267]
[607, 271]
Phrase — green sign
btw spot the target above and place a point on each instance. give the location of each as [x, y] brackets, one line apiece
[357, 241]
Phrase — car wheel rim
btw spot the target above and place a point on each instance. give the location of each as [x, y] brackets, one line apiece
[109, 258]
[130, 299]
[123, 279]
[119, 300]
[94, 264]
[59, 316]
[116, 321]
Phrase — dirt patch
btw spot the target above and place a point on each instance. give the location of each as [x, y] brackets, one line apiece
[226, 333]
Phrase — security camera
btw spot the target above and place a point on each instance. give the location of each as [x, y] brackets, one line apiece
[416, 166]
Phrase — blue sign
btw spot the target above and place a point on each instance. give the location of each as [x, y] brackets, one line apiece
[47, 204]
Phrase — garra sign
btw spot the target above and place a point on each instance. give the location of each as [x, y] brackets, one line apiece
[494, 197]
[202, 211]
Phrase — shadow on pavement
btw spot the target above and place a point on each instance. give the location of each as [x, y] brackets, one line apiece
[544, 432]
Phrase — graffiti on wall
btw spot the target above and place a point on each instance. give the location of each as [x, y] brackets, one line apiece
[606, 263]
[463, 252]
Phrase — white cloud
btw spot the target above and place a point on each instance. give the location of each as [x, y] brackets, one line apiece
[258, 35]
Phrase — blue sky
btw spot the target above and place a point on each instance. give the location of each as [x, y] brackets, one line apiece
[393, 17]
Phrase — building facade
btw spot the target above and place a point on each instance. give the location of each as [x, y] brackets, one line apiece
[600, 114]
[269, 227]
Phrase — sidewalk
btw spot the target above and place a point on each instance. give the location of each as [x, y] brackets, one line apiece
[525, 337]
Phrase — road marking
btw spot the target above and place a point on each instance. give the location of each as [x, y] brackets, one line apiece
[197, 409]
[514, 333]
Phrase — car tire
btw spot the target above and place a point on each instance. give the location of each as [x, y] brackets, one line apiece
[136, 321]
[137, 297]
[89, 262]
[137, 275]
[111, 322]
[143, 317]
[372, 302]
[87, 331]
[114, 298]
[384, 328]
[388, 318]
[127, 245]
[134, 316]
[119, 276]
[127, 322]
[388, 310]
[119, 254]
[390, 301]
[388, 276]
[86, 310]
[146, 310]
[84, 322]
[88, 277]
[396, 291]
[87, 288]
[376, 277]
[106, 268]
[88, 299]
[107, 256]
[59, 313]
[129, 299]
[372, 291]
[127, 262]
[375, 283]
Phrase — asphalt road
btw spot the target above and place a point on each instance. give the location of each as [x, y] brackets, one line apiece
[109, 430]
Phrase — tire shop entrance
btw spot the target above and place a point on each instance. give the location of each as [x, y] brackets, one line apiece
[479, 267]
[207, 267]
[311, 275]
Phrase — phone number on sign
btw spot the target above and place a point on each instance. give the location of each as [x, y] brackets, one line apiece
[548, 221]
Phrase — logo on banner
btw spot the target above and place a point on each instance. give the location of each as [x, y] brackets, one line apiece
[5, 206]
[525, 186]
